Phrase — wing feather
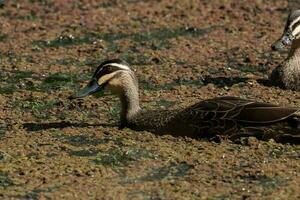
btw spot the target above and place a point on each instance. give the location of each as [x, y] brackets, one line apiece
[240, 110]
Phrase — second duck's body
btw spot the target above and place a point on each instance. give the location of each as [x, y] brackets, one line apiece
[222, 116]
[287, 75]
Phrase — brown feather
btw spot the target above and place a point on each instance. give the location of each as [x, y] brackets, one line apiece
[222, 115]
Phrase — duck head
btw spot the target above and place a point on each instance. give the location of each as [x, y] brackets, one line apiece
[291, 32]
[112, 75]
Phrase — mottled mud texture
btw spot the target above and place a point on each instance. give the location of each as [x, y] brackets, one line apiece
[183, 51]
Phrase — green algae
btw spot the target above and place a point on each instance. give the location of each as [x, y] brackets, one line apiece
[17, 81]
[222, 82]
[269, 182]
[165, 103]
[57, 81]
[16, 76]
[219, 82]
[5, 181]
[156, 34]
[55, 127]
[3, 38]
[2, 156]
[50, 154]
[266, 182]
[149, 85]
[242, 62]
[32, 155]
[114, 111]
[88, 38]
[118, 157]
[248, 68]
[30, 17]
[14, 81]
[136, 1]
[84, 153]
[2, 3]
[82, 140]
[105, 5]
[68, 61]
[7, 90]
[36, 105]
[86, 140]
[145, 195]
[36, 193]
[168, 172]
[219, 197]
[165, 33]
[22, 74]
[2, 133]
[62, 80]
[133, 58]
[88, 150]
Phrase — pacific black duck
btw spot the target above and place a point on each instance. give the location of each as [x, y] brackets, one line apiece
[223, 116]
[287, 75]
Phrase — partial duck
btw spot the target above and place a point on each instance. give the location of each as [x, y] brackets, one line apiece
[218, 116]
[287, 75]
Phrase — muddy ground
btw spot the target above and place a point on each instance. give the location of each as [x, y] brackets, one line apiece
[183, 51]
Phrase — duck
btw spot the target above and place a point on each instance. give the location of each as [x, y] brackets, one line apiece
[222, 116]
[287, 75]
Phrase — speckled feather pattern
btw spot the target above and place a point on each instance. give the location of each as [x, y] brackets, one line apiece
[287, 75]
[219, 116]
[291, 71]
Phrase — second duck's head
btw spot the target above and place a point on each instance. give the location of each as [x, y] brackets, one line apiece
[291, 32]
[111, 75]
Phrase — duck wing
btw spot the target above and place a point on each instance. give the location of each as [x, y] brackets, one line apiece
[251, 112]
[225, 115]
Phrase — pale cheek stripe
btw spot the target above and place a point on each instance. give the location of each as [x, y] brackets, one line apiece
[119, 66]
[295, 21]
[106, 77]
[296, 31]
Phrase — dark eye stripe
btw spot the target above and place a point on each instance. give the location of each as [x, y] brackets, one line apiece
[97, 71]
[105, 68]
[296, 25]
[101, 72]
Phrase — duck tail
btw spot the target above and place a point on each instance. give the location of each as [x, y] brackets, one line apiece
[297, 114]
[267, 114]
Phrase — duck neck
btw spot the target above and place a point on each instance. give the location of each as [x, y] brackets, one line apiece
[130, 104]
[292, 64]
[295, 50]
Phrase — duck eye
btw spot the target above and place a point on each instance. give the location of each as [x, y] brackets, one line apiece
[108, 68]
[105, 70]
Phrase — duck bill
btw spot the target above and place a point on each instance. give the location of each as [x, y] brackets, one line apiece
[283, 42]
[91, 88]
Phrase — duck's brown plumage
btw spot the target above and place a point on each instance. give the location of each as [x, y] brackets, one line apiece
[287, 75]
[218, 116]
[208, 118]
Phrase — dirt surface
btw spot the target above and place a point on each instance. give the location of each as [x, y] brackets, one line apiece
[183, 51]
